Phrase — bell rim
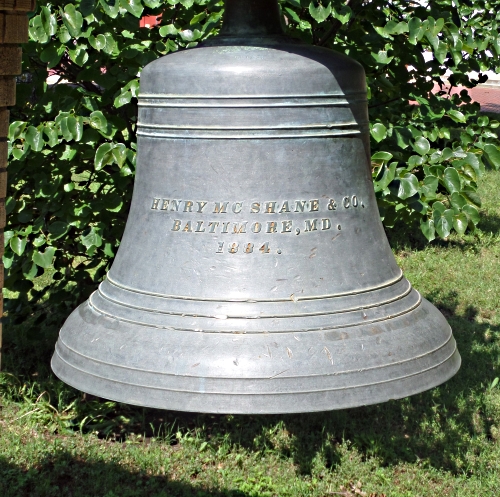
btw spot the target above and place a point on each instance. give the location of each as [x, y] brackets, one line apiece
[242, 396]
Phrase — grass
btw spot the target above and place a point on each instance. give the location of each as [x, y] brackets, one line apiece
[57, 441]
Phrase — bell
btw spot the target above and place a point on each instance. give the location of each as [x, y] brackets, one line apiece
[254, 275]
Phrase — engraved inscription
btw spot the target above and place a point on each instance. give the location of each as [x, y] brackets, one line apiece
[245, 248]
[271, 217]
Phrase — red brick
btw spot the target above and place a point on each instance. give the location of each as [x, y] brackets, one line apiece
[10, 60]
[487, 97]
[3, 183]
[4, 123]
[4, 149]
[21, 5]
[2, 214]
[13, 28]
[7, 91]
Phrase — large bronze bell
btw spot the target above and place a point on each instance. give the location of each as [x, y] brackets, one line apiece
[254, 275]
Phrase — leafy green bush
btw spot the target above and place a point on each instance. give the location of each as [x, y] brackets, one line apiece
[72, 144]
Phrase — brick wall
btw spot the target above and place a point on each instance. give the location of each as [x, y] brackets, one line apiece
[13, 30]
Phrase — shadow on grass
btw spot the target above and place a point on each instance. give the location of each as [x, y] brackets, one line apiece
[490, 224]
[63, 474]
[429, 426]
[436, 426]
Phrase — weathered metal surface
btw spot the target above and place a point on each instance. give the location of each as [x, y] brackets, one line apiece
[254, 275]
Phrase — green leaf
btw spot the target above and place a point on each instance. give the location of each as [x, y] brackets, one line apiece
[48, 21]
[198, 18]
[392, 28]
[483, 121]
[415, 161]
[460, 222]
[381, 157]
[103, 156]
[119, 154]
[190, 35]
[16, 129]
[492, 154]
[379, 132]
[52, 135]
[343, 14]
[30, 271]
[98, 42]
[108, 250]
[429, 187]
[52, 55]
[451, 180]
[382, 57]
[472, 197]
[73, 20]
[443, 222]
[34, 138]
[98, 121]
[66, 132]
[443, 227]
[428, 229]
[440, 51]
[168, 30]
[470, 172]
[112, 201]
[384, 176]
[292, 14]
[123, 98]
[416, 30]
[18, 245]
[79, 55]
[18, 153]
[63, 34]
[421, 145]
[110, 43]
[438, 207]
[87, 7]
[37, 30]
[320, 13]
[458, 201]
[456, 115]
[408, 186]
[25, 216]
[75, 126]
[44, 259]
[111, 7]
[39, 241]
[403, 137]
[472, 213]
[58, 229]
[92, 239]
[133, 6]
[7, 237]
[128, 92]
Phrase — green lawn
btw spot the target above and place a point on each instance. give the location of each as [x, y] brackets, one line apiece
[446, 442]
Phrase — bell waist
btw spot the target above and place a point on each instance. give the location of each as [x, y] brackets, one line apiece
[302, 314]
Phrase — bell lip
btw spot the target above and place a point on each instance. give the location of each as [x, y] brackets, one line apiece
[326, 391]
[208, 408]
